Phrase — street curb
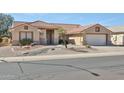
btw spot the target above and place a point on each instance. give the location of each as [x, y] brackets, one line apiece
[53, 57]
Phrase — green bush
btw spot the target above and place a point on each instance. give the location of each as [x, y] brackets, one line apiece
[25, 42]
[87, 46]
[62, 42]
[1, 40]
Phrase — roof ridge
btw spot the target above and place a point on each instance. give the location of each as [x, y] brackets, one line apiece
[48, 23]
[64, 24]
[38, 21]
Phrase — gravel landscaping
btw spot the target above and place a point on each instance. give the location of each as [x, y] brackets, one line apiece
[58, 50]
[12, 51]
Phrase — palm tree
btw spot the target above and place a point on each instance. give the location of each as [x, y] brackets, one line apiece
[62, 33]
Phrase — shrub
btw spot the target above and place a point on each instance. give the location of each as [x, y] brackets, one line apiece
[5, 39]
[87, 46]
[1, 40]
[25, 42]
[62, 42]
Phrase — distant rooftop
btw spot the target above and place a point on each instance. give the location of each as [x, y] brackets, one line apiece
[117, 28]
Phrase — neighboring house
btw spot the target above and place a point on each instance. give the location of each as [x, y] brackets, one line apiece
[46, 33]
[117, 37]
[95, 34]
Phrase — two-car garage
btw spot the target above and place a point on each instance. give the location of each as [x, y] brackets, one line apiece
[95, 39]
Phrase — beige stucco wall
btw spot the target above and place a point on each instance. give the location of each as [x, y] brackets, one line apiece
[44, 40]
[36, 37]
[78, 39]
[117, 39]
[15, 35]
[102, 29]
[56, 37]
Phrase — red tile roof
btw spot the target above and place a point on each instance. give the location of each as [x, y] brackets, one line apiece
[79, 29]
[35, 24]
[43, 24]
[70, 28]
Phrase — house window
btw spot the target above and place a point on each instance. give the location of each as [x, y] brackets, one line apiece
[26, 35]
[97, 29]
[26, 27]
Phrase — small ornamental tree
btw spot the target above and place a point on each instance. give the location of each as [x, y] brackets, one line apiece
[62, 33]
[5, 23]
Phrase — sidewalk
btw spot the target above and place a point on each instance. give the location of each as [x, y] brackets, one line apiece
[52, 57]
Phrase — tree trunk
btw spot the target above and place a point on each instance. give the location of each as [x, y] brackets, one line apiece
[65, 44]
[64, 40]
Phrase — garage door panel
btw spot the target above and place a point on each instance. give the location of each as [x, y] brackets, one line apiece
[96, 39]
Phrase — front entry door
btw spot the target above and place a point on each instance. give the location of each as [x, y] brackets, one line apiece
[50, 37]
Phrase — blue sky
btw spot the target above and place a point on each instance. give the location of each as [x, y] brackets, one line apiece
[106, 19]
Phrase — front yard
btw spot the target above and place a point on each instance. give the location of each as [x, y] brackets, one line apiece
[13, 51]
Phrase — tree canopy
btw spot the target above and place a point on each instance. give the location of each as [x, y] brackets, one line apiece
[62, 33]
[61, 30]
[5, 23]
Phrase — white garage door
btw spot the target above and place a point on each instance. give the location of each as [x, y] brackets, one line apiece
[96, 39]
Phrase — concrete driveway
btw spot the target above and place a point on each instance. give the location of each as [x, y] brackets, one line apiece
[109, 48]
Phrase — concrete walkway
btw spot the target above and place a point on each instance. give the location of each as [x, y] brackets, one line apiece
[52, 57]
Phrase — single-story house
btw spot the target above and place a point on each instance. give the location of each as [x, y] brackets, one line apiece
[117, 37]
[39, 31]
[47, 33]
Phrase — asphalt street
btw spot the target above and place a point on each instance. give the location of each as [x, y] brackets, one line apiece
[95, 68]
